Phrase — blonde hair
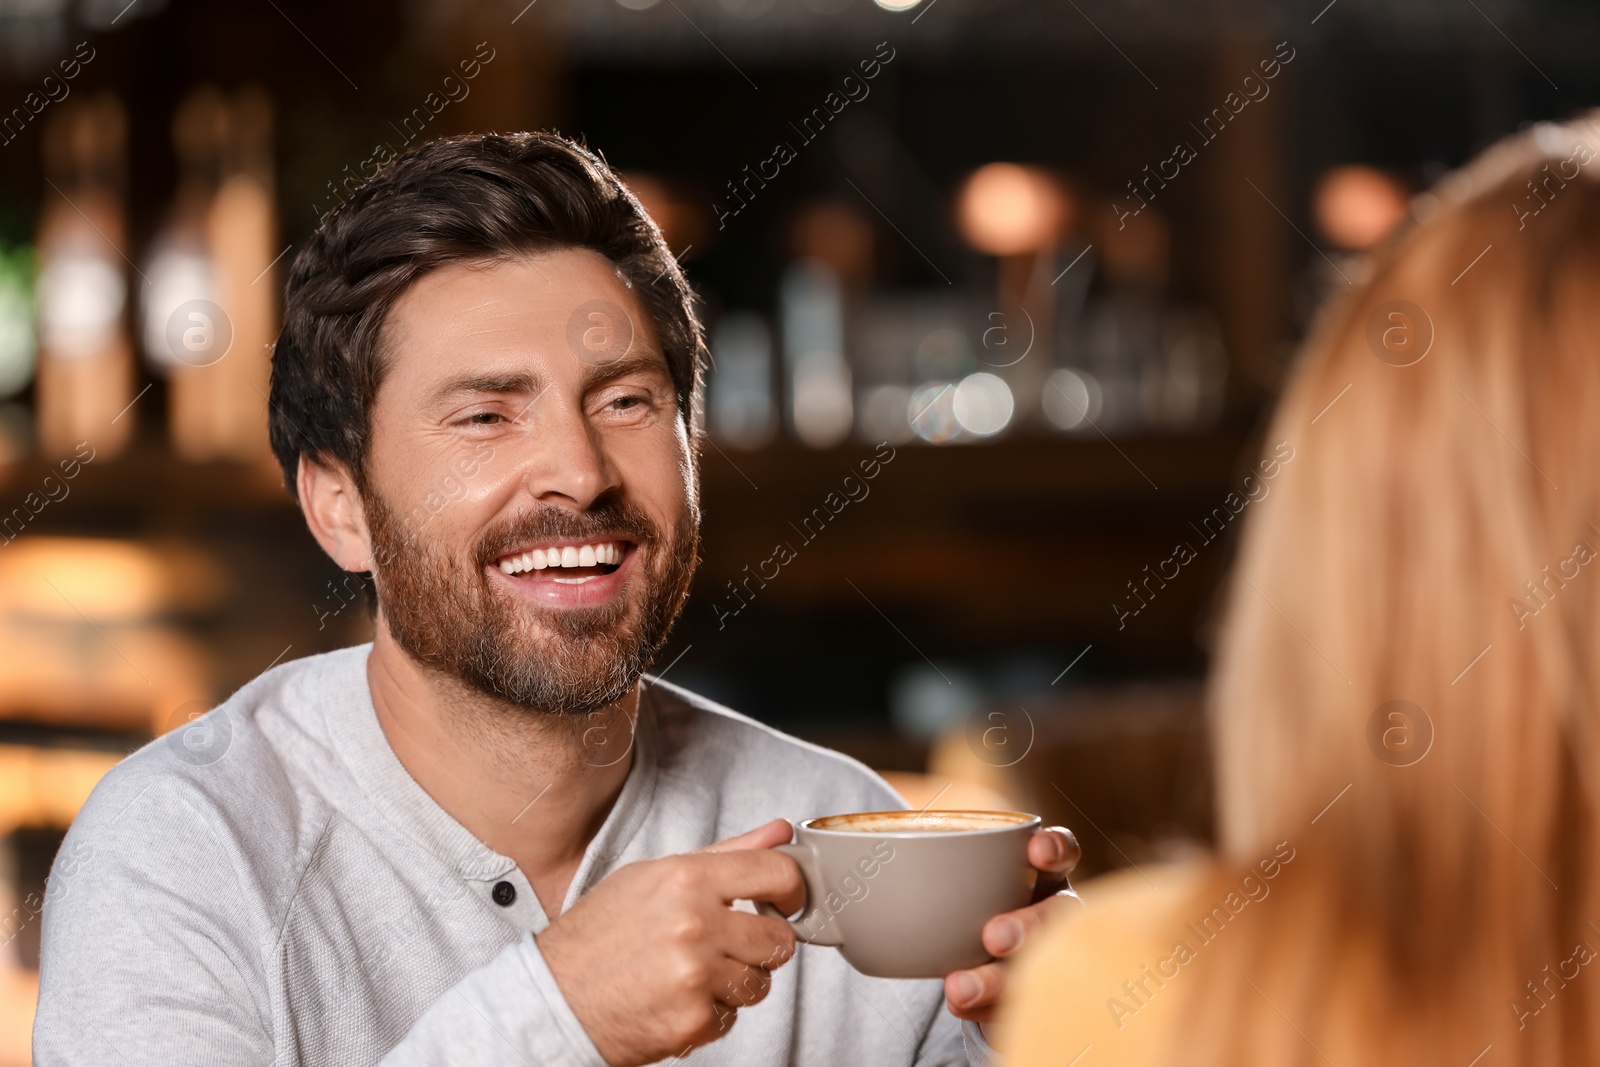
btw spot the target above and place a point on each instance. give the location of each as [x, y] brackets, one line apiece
[1431, 542]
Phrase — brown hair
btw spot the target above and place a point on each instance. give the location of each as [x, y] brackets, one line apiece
[1430, 543]
[468, 198]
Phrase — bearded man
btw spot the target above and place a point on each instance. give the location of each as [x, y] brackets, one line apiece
[488, 836]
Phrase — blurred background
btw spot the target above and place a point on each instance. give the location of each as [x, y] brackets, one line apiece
[999, 292]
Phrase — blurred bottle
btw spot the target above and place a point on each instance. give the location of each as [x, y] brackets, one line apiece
[180, 268]
[811, 304]
[743, 410]
[836, 238]
[1183, 390]
[901, 343]
[210, 312]
[1071, 397]
[1019, 214]
[1131, 360]
[945, 357]
[1124, 326]
[85, 356]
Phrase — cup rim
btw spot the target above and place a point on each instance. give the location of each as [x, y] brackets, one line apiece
[1033, 822]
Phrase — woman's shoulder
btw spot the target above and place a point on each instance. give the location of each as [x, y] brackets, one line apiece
[1094, 977]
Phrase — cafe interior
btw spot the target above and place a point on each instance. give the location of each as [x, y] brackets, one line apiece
[1039, 268]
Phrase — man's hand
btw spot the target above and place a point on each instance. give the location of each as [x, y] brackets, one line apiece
[975, 994]
[654, 962]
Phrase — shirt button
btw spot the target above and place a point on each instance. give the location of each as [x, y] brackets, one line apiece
[504, 894]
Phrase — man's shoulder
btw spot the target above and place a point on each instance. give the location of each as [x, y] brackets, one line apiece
[707, 738]
[233, 784]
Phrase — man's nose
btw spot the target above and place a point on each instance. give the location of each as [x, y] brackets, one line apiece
[566, 459]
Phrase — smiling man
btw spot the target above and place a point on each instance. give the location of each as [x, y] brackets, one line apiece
[488, 836]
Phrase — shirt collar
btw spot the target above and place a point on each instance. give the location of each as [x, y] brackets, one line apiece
[405, 804]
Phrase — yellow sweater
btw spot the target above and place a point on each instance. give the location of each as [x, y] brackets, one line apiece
[1090, 991]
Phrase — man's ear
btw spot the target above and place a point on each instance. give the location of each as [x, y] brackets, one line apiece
[334, 512]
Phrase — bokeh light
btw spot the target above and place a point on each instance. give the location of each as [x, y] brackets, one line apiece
[1072, 399]
[1008, 210]
[1357, 206]
[982, 404]
[932, 413]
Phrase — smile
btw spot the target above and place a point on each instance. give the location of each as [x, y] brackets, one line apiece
[574, 564]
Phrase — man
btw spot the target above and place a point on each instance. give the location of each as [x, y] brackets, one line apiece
[485, 837]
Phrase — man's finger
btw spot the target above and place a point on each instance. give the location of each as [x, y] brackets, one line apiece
[757, 940]
[973, 994]
[1004, 934]
[1054, 850]
[741, 986]
[776, 832]
[752, 874]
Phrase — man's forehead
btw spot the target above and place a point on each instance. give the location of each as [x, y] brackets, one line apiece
[548, 285]
[566, 299]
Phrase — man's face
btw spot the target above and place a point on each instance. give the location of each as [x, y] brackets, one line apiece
[530, 484]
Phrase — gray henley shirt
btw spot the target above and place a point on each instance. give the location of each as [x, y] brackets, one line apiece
[269, 885]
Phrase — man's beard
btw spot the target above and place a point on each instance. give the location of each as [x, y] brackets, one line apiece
[563, 660]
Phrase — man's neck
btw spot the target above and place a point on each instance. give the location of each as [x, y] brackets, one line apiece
[533, 786]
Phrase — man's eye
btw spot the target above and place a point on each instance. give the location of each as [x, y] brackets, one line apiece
[625, 402]
[482, 418]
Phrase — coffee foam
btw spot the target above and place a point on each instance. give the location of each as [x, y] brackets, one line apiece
[901, 822]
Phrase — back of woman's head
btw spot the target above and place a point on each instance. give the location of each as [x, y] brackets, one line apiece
[1408, 685]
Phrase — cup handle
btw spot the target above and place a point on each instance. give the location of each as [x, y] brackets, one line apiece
[824, 934]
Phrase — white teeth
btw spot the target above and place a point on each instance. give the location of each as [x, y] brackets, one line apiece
[607, 553]
[575, 581]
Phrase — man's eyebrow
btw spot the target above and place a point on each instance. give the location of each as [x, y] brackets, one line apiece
[600, 373]
[511, 382]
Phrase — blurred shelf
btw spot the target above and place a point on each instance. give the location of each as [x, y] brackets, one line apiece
[148, 477]
[1014, 466]
[968, 548]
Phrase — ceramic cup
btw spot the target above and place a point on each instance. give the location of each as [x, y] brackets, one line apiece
[905, 894]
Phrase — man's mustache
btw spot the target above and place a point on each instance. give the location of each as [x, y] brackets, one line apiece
[610, 521]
